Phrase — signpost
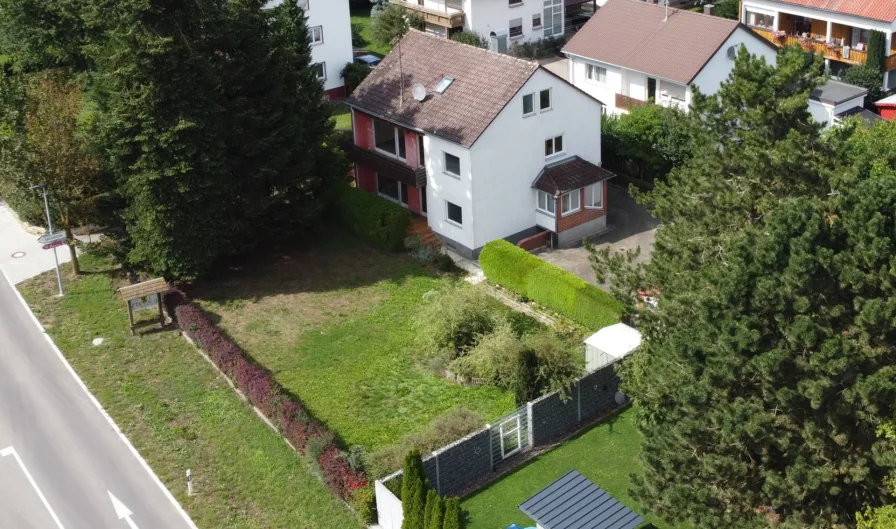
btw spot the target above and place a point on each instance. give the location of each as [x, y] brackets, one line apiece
[48, 238]
[52, 245]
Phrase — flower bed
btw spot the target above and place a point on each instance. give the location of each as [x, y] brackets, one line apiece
[307, 435]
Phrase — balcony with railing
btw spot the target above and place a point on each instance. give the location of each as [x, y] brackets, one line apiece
[837, 42]
[441, 13]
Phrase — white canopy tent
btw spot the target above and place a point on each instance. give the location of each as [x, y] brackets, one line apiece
[609, 345]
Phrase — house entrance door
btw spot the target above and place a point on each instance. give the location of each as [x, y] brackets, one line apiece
[651, 89]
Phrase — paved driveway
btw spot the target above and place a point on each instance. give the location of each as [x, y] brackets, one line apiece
[630, 226]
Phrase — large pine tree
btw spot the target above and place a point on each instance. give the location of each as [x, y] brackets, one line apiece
[769, 361]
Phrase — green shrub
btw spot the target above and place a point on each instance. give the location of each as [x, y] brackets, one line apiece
[443, 430]
[431, 497]
[526, 382]
[494, 358]
[372, 219]
[559, 364]
[867, 77]
[354, 74]
[471, 38]
[876, 51]
[436, 514]
[555, 288]
[413, 491]
[365, 499]
[454, 320]
[453, 518]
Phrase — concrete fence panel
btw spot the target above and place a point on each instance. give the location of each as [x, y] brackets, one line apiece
[388, 507]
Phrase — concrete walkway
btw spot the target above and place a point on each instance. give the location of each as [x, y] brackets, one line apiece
[21, 256]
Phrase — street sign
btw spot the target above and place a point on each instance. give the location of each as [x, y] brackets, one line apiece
[55, 244]
[51, 237]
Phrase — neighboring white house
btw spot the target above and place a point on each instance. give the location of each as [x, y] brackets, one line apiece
[519, 20]
[330, 32]
[835, 101]
[486, 146]
[838, 29]
[632, 52]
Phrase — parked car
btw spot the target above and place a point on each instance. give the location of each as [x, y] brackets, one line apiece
[369, 60]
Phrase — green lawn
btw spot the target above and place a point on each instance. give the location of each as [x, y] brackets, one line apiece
[333, 321]
[606, 454]
[342, 115]
[179, 414]
[361, 27]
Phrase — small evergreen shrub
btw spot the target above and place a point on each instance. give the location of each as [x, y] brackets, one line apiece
[453, 516]
[354, 74]
[431, 498]
[371, 218]
[526, 383]
[555, 288]
[471, 38]
[365, 498]
[436, 514]
[413, 491]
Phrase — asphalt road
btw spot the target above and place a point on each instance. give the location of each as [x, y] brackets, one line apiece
[60, 456]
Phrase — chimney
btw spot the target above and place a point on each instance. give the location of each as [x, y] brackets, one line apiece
[709, 9]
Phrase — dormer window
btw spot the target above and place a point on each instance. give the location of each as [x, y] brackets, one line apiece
[443, 85]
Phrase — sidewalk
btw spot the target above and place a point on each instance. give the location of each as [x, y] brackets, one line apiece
[21, 257]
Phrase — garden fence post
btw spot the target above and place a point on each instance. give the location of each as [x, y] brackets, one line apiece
[530, 433]
[491, 448]
[579, 397]
[435, 455]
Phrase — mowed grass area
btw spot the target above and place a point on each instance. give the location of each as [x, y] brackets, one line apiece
[342, 115]
[361, 26]
[179, 414]
[333, 320]
[607, 454]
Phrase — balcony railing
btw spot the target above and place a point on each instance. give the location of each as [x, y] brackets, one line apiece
[625, 102]
[445, 16]
[835, 53]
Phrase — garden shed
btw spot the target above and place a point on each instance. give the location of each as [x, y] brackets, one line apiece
[609, 345]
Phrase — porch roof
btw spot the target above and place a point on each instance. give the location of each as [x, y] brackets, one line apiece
[569, 174]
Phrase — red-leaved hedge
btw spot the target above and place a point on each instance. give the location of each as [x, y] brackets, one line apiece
[264, 393]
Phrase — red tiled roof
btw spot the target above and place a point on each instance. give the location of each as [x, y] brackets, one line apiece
[633, 35]
[572, 173]
[484, 82]
[884, 10]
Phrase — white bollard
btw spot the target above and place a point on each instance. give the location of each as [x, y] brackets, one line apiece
[189, 482]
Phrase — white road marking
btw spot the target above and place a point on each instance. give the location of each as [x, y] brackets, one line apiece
[10, 451]
[121, 511]
[99, 406]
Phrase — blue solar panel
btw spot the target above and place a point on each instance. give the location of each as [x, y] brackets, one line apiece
[574, 502]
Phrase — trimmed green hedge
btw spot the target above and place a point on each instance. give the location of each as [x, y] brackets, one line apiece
[372, 219]
[555, 288]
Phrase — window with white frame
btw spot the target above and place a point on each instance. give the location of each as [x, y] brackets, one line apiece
[452, 164]
[545, 202]
[536, 21]
[454, 213]
[596, 73]
[388, 138]
[528, 104]
[544, 100]
[392, 189]
[594, 196]
[760, 20]
[569, 203]
[320, 70]
[553, 146]
[516, 27]
[316, 34]
[553, 18]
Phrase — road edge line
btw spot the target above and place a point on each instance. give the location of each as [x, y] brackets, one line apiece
[99, 406]
[12, 451]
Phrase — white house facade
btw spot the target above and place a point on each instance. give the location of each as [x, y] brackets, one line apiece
[507, 150]
[519, 20]
[330, 33]
[838, 30]
[632, 52]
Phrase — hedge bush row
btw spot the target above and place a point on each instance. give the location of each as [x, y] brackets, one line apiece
[518, 270]
[265, 393]
[372, 218]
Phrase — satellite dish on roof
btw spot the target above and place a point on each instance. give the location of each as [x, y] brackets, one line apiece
[419, 92]
[732, 53]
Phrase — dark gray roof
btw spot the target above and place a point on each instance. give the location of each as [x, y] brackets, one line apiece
[836, 92]
[867, 115]
[574, 502]
[572, 173]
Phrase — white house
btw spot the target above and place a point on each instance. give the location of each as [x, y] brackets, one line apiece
[632, 52]
[835, 101]
[839, 30]
[519, 20]
[330, 32]
[484, 145]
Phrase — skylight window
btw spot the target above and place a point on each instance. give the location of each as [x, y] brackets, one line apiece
[443, 85]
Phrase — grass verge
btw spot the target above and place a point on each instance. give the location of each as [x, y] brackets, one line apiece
[342, 115]
[361, 28]
[179, 414]
[607, 454]
[333, 321]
